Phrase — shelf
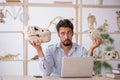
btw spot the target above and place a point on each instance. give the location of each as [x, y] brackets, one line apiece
[107, 60]
[20, 60]
[38, 4]
[50, 5]
[58, 5]
[10, 60]
[38, 60]
[115, 32]
[11, 31]
[12, 4]
[100, 6]
[33, 60]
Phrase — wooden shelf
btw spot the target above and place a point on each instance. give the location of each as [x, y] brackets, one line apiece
[12, 4]
[100, 6]
[9, 60]
[50, 5]
[114, 32]
[107, 60]
[58, 5]
[38, 4]
[11, 31]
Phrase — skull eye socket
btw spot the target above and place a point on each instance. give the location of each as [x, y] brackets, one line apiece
[36, 29]
[108, 54]
[42, 30]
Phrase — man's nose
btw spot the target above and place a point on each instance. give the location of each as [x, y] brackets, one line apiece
[66, 35]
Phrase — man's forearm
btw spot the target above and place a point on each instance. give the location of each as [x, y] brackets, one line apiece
[90, 52]
[40, 52]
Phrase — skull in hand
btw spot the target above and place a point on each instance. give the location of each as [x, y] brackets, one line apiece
[35, 32]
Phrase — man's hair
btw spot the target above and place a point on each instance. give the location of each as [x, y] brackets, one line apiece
[64, 23]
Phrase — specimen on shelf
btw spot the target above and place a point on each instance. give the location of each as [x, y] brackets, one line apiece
[12, 12]
[2, 15]
[110, 55]
[9, 57]
[92, 23]
[36, 57]
[55, 20]
[105, 26]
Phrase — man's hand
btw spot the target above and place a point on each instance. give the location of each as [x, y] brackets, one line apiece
[35, 43]
[96, 43]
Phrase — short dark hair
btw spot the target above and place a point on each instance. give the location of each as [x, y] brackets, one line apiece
[64, 23]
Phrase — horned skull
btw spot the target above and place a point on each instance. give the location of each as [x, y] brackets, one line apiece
[35, 32]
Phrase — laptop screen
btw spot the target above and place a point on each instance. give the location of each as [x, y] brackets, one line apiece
[77, 67]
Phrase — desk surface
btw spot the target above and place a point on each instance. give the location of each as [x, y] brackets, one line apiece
[50, 78]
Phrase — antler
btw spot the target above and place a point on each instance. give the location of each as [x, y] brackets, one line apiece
[52, 21]
[13, 15]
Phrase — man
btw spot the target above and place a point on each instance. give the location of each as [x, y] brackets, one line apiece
[50, 61]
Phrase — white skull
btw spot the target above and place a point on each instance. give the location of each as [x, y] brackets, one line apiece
[110, 55]
[35, 32]
[95, 34]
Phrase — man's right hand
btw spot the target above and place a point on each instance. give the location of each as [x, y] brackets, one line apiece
[35, 43]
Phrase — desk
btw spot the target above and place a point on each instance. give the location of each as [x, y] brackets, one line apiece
[50, 78]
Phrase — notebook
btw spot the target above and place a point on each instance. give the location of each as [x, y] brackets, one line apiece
[77, 67]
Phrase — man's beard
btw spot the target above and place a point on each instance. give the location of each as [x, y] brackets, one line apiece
[67, 42]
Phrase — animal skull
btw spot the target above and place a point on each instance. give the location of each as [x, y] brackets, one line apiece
[105, 26]
[91, 21]
[9, 56]
[1, 17]
[35, 32]
[110, 55]
[94, 34]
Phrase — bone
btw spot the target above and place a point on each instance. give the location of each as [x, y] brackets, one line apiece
[35, 32]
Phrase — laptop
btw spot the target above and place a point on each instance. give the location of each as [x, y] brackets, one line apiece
[77, 67]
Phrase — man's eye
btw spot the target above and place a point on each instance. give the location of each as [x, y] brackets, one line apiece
[62, 33]
[69, 33]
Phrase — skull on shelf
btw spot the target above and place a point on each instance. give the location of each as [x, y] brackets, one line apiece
[92, 21]
[110, 55]
[2, 16]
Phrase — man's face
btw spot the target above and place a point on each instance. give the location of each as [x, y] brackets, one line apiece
[65, 35]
